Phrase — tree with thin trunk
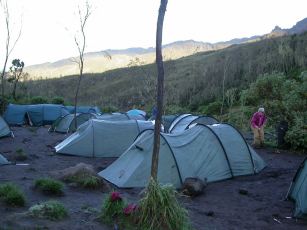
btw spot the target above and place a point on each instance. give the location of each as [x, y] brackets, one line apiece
[81, 43]
[226, 66]
[15, 74]
[160, 90]
[9, 47]
[159, 209]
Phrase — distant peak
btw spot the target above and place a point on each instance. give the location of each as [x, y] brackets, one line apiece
[277, 29]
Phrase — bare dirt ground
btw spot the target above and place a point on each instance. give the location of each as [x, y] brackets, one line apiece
[222, 206]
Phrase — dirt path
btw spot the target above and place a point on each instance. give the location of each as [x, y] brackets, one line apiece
[222, 206]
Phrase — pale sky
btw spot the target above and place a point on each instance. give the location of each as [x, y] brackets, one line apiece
[48, 26]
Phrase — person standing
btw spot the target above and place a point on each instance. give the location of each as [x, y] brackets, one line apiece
[258, 121]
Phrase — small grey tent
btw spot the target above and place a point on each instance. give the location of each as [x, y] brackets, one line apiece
[183, 122]
[298, 191]
[67, 124]
[100, 138]
[3, 160]
[4, 128]
[214, 152]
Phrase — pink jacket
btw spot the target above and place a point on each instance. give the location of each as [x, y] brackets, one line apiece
[258, 119]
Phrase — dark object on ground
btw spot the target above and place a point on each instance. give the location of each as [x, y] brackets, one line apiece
[210, 213]
[193, 186]
[243, 191]
[281, 129]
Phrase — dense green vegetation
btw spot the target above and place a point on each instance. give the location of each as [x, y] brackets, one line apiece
[283, 97]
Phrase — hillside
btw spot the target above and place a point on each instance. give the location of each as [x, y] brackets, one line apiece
[97, 62]
[190, 81]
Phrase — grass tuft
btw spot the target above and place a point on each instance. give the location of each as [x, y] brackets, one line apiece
[21, 155]
[11, 195]
[91, 182]
[49, 186]
[52, 210]
[159, 209]
[85, 180]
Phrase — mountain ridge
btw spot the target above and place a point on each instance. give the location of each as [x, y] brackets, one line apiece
[104, 60]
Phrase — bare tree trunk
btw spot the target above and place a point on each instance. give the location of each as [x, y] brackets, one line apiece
[14, 90]
[226, 64]
[81, 49]
[8, 50]
[7, 45]
[77, 91]
[2, 85]
[160, 91]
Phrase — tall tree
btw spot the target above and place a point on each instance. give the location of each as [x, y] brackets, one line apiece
[81, 43]
[160, 90]
[9, 47]
[15, 74]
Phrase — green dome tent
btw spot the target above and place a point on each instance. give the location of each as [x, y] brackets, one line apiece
[4, 128]
[298, 191]
[183, 122]
[215, 152]
[66, 123]
[36, 115]
[100, 138]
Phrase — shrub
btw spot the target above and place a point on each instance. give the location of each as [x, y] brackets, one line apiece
[175, 109]
[21, 155]
[38, 100]
[159, 209]
[58, 100]
[52, 210]
[85, 180]
[109, 109]
[49, 186]
[212, 108]
[297, 133]
[11, 195]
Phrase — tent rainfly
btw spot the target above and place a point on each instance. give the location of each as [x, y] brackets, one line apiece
[121, 117]
[83, 109]
[184, 121]
[213, 152]
[36, 115]
[100, 138]
[67, 124]
[4, 128]
[136, 112]
[3, 160]
[298, 191]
